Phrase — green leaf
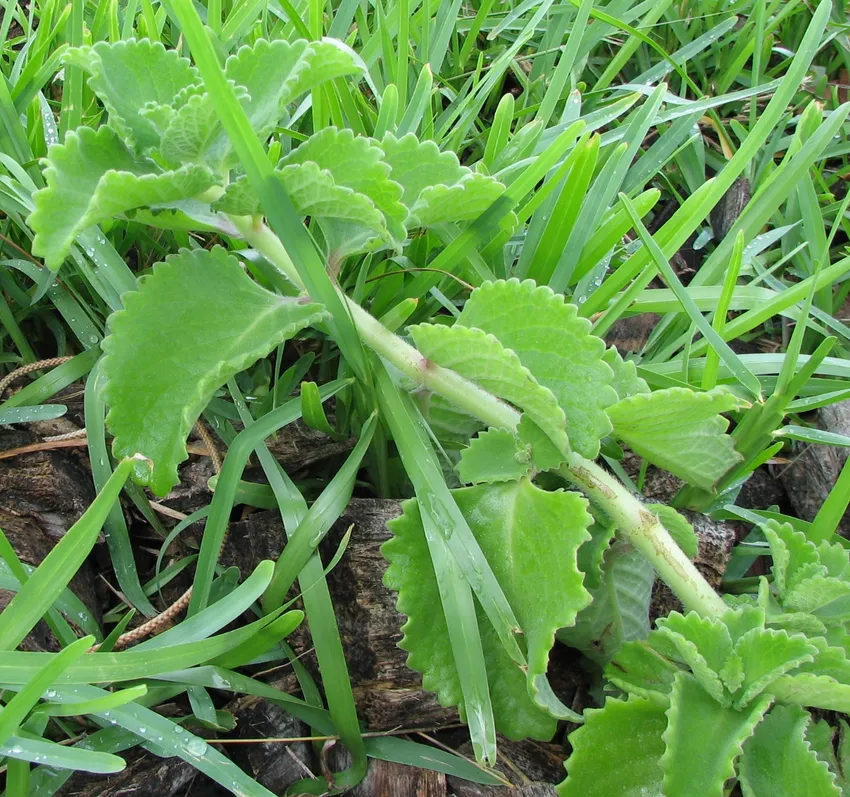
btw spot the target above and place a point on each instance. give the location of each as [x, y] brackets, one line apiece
[616, 752]
[275, 73]
[191, 131]
[436, 187]
[269, 72]
[820, 735]
[494, 456]
[16, 710]
[39, 751]
[681, 431]
[544, 453]
[817, 691]
[480, 357]
[827, 598]
[836, 559]
[779, 762]
[704, 644]
[639, 669]
[792, 555]
[128, 75]
[357, 163]
[349, 221]
[767, 654]
[92, 177]
[556, 346]
[204, 311]
[679, 528]
[619, 612]
[512, 523]
[326, 59]
[703, 740]
[626, 380]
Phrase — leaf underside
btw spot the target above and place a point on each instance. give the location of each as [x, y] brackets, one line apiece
[679, 430]
[195, 322]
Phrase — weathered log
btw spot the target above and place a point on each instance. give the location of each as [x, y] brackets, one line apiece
[812, 472]
[532, 767]
[42, 494]
[296, 447]
[146, 775]
[388, 693]
[274, 764]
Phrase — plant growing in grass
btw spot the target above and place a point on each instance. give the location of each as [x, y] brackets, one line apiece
[518, 378]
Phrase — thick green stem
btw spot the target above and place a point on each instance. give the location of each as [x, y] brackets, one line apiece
[404, 357]
[646, 533]
[642, 528]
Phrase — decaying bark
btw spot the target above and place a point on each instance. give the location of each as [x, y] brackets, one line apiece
[811, 474]
[388, 693]
[42, 494]
[532, 768]
[146, 775]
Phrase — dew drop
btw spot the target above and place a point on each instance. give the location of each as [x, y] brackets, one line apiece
[196, 745]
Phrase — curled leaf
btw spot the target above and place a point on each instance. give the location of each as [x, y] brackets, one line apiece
[195, 322]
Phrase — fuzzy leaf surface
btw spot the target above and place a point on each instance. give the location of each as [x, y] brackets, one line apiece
[626, 380]
[530, 538]
[779, 762]
[436, 187]
[679, 430]
[493, 456]
[349, 221]
[703, 739]
[793, 555]
[130, 74]
[92, 177]
[269, 72]
[639, 669]
[195, 322]
[616, 752]
[767, 654]
[556, 346]
[704, 644]
[825, 597]
[815, 691]
[357, 163]
[481, 358]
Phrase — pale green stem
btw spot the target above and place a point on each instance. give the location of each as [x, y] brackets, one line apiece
[646, 533]
[642, 528]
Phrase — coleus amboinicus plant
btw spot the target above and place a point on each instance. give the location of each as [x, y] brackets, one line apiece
[519, 373]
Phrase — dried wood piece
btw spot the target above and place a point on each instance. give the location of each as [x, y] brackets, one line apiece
[533, 768]
[41, 496]
[389, 695]
[296, 447]
[812, 473]
[146, 775]
[276, 765]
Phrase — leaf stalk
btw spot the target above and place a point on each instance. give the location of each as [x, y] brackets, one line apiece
[642, 528]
